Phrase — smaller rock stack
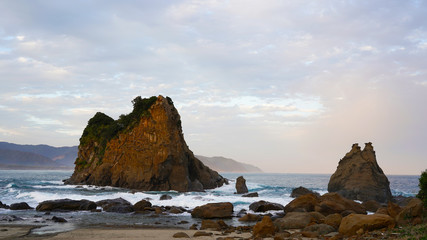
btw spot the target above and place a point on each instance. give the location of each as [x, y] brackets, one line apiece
[359, 177]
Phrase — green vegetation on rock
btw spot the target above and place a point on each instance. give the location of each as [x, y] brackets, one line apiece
[102, 128]
[422, 194]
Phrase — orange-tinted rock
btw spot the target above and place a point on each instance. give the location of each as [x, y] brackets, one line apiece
[306, 202]
[249, 218]
[213, 210]
[393, 209]
[335, 203]
[359, 177]
[150, 154]
[412, 211]
[294, 220]
[265, 228]
[371, 205]
[333, 220]
[359, 223]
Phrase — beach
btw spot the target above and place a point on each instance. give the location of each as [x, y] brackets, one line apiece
[24, 232]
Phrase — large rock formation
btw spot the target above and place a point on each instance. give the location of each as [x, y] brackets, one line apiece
[143, 150]
[359, 177]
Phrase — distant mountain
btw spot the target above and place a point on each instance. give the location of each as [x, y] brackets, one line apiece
[222, 164]
[15, 156]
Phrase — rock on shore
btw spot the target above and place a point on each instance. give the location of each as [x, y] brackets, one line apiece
[359, 177]
[143, 150]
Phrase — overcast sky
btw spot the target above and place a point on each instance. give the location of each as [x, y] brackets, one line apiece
[287, 86]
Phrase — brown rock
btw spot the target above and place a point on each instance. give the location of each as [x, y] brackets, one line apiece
[66, 205]
[263, 206]
[371, 205]
[318, 217]
[241, 185]
[118, 205]
[319, 229]
[202, 234]
[294, 220]
[213, 210]
[334, 203]
[144, 150]
[393, 209]
[306, 202]
[250, 218]
[299, 191]
[181, 235]
[209, 224]
[333, 220]
[20, 206]
[265, 228]
[412, 211]
[141, 205]
[254, 194]
[382, 210]
[362, 223]
[359, 177]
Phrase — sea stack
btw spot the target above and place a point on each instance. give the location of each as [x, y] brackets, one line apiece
[359, 177]
[144, 150]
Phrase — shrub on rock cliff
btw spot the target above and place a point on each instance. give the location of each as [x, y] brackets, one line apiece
[422, 194]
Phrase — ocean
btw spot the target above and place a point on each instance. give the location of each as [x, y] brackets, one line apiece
[35, 186]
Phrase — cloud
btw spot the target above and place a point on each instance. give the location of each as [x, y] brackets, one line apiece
[287, 84]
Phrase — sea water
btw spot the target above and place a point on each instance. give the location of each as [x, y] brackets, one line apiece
[35, 186]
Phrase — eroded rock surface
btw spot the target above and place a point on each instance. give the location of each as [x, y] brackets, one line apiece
[143, 150]
[359, 177]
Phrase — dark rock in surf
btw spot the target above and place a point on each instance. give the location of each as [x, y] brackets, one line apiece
[118, 205]
[165, 197]
[263, 206]
[299, 191]
[241, 185]
[20, 206]
[66, 205]
[254, 194]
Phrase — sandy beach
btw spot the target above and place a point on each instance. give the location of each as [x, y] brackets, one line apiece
[24, 232]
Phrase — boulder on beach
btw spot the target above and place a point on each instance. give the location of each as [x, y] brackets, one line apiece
[411, 213]
[263, 206]
[241, 185]
[305, 203]
[300, 191]
[265, 228]
[213, 210]
[66, 205]
[294, 220]
[118, 205]
[359, 223]
[143, 150]
[331, 203]
[359, 177]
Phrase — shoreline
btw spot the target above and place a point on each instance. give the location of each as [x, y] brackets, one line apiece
[98, 232]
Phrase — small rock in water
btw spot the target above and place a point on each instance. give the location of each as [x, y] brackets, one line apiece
[165, 197]
[59, 219]
[254, 194]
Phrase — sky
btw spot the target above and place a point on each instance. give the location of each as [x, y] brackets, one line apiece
[287, 86]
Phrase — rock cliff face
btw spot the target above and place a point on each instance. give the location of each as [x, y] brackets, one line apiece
[144, 150]
[359, 177]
